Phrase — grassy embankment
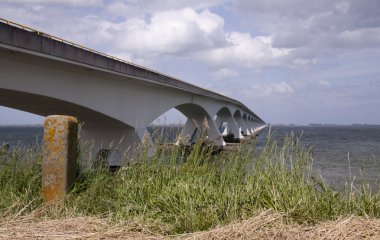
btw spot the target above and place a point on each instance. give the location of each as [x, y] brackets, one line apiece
[172, 193]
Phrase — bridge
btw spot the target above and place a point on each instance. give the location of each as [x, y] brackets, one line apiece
[114, 99]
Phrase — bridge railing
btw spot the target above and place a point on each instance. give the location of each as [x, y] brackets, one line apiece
[8, 22]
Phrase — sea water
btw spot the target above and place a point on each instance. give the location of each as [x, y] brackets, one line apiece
[342, 154]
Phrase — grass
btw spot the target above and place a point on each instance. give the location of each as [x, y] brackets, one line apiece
[20, 180]
[173, 192]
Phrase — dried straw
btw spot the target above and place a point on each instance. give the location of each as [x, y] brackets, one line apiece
[266, 225]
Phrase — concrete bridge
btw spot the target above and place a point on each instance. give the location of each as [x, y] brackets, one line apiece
[116, 100]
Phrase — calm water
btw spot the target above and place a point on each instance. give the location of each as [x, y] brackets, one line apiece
[21, 135]
[340, 151]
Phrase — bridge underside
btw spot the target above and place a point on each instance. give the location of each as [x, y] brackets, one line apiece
[102, 133]
[44, 106]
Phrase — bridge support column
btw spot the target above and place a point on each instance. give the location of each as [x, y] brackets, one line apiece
[190, 132]
[254, 127]
[241, 125]
[108, 146]
[199, 123]
[145, 140]
[246, 125]
[250, 126]
[196, 128]
[232, 129]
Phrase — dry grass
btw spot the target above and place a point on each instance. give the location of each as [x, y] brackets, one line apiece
[266, 225]
[271, 225]
[71, 228]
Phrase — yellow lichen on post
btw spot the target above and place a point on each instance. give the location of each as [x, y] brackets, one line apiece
[59, 169]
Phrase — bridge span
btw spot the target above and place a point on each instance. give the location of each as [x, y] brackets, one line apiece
[114, 99]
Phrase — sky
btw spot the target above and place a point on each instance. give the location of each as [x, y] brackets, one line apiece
[290, 61]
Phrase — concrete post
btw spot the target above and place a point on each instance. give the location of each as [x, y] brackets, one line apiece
[59, 156]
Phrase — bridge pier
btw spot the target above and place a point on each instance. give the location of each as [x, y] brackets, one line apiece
[246, 125]
[198, 127]
[199, 124]
[232, 129]
[241, 124]
[190, 132]
[143, 139]
[254, 126]
[250, 125]
[111, 146]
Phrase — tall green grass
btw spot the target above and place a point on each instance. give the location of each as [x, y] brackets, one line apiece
[176, 192]
[20, 180]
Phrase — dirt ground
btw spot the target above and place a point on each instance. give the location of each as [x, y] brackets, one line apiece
[266, 225]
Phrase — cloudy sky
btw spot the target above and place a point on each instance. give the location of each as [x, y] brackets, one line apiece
[290, 61]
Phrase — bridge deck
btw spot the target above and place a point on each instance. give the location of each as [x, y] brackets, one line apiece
[15, 36]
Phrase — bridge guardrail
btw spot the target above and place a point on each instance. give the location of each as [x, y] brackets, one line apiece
[8, 22]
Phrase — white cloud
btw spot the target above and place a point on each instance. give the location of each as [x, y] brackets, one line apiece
[171, 32]
[370, 37]
[81, 3]
[165, 5]
[131, 9]
[182, 32]
[262, 90]
[324, 83]
[342, 6]
[224, 73]
[302, 63]
[244, 50]
[315, 29]
[187, 32]
[121, 9]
